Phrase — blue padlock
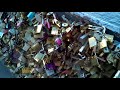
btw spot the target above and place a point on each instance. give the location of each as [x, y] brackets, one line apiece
[31, 15]
[1, 34]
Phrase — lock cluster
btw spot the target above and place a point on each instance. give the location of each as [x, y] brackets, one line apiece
[56, 45]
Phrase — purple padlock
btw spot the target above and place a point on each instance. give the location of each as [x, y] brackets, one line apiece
[50, 66]
[48, 24]
[58, 41]
[45, 22]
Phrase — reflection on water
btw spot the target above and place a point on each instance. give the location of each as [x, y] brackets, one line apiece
[111, 17]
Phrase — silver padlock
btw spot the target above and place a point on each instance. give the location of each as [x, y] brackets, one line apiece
[26, 47]
[54, 30]
[117, 75]
[38, 18]
[39, 28]
[83, 47]
[39, 56]
[106, 50]
[117, 48]
[65, 25]
[109, 37]
[92, 42]
[1, 34]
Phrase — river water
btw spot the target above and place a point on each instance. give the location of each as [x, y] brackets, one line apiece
[110, 20]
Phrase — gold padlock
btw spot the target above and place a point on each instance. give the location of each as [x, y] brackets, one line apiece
[103, 43]
[50, 41]
[94, 76]
[26, 70]
[55, 21]
[94, 70]
[36, 47]
[68, 29]
[87, 68]
[109, 37]
[39, 35]
[94, 61]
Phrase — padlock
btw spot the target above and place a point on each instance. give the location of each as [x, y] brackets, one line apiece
[47, 23]
[49, 72]
[94, 76]
[103, 43]
[50, 50]
[87, 62]
[57, 22]
[68, 29]
[39, 56]
[27, 36]
[75, 31]
[106, 50]
[94, 61]
[117, 48]
[57, 63]
[109, 37]
[82, 49]
[49, 13]
[101, 54]
[83, 38]
[58, 41]
[50, 41]
[36, 47]
[83, 28]
[54, 30]
[67, 38]
[1, 34]
[4, 49]
[26, 47]
[81, 57]
[117, 75]
[63, 30]
[110, 58]
[109, 74]
[32, 70]
[1, 13]
[39, 28]
[19, 23]
[5, 39]
[22, 58]
[31, 15]
[38, 18]
[87, 68]
[77, 25]
[70, 47]
[97, 36]
[32, 40]
[39, 35]
[92, 42]
[76, 49]
[50, 66]
[93, 71]
[65, 25]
